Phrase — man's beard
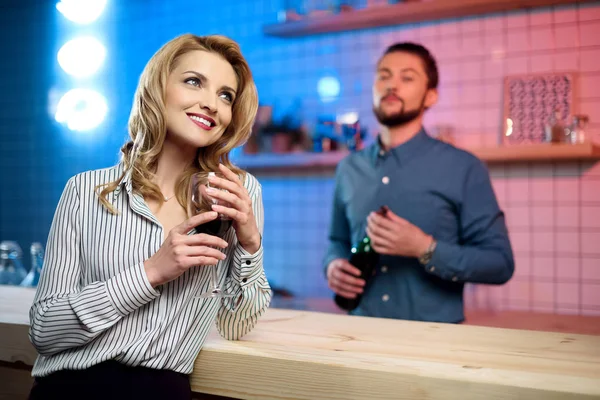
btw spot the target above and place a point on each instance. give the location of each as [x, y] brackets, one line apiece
[400, 118]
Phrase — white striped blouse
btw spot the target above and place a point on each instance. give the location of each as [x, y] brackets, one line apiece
[94, 302]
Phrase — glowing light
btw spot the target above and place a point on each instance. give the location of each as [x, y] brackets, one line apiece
[81, 109]
[81, 11]
[81, 57]
[328, 88]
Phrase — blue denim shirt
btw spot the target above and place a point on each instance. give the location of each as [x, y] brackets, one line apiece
[447, 193]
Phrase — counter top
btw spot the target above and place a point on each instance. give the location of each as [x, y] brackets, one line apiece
[311, 355]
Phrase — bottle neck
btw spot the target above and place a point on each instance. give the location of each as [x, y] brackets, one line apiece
[364, 246]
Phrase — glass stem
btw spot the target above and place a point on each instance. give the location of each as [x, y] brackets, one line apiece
[215, 278]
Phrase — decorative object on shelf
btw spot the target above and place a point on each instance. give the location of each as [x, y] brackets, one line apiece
[576, 131]
[334, 133]
[325, 135]
[354, 135]
[285, 136]
[555, 130]
[532, 101]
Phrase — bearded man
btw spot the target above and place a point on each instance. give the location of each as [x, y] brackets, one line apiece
[443, 226]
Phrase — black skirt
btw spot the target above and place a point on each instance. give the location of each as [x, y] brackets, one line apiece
[111, 380]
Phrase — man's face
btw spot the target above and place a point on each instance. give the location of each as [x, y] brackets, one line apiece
[400, 91]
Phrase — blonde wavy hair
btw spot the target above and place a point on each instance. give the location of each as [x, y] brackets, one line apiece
[148, 127]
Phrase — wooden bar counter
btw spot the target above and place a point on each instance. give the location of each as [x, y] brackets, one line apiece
[319, 356]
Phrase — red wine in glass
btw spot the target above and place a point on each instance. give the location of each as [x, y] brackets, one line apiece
[216, 227]
[200, 201]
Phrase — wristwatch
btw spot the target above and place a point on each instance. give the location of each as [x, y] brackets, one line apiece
[426, 257]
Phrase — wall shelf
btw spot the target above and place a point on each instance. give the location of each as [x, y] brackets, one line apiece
[403, 13]
[290, 161]
[539, 152]
[490, 155]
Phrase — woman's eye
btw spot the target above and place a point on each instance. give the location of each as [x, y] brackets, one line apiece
[193, 81]
[227, 96]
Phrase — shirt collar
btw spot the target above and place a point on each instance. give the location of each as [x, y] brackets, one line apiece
[404, 152]
[125, 181]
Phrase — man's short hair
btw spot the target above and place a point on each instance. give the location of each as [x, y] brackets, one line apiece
[420, 51]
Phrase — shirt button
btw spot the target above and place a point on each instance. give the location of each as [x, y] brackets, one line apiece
[381, 153]
[385, 297]
[432, 268]
[248, 262]
[454, 279]
[385, 180]
[384, 269]
[245, 280]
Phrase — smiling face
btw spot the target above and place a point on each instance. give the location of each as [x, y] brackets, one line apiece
[400, 92]
[199, 97]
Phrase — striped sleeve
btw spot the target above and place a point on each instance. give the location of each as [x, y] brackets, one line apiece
[238, 315]
[65, 315]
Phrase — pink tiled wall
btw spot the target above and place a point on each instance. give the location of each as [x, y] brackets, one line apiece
[553, 215]
[475, 54]
[553, 209]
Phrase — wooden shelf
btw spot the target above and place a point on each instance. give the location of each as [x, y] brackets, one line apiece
[539, 152]
[297, 161]
[403, 13]
[520, 153]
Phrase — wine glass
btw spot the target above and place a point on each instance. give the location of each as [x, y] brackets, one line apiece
[200, 201]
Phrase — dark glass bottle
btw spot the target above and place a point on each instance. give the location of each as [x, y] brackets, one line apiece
[365, 259]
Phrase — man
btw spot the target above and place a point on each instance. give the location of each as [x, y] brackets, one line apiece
[444, 226]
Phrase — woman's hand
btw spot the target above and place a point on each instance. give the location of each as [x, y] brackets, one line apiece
[181, 251]
[240, 211]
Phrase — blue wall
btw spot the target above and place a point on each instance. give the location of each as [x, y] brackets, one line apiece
[37, 155]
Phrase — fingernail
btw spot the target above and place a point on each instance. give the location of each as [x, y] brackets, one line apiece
[210, 190]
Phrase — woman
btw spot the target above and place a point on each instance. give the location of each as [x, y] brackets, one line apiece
[116, 314]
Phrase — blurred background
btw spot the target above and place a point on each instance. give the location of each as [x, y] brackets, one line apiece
[68, 73]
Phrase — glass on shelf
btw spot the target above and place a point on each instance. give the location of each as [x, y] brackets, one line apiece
[576, 131]
[12, 271]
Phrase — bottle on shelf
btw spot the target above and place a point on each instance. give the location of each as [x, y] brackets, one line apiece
[37, 261]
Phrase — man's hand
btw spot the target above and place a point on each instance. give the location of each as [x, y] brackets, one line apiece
[343, 278]
[393, 235]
